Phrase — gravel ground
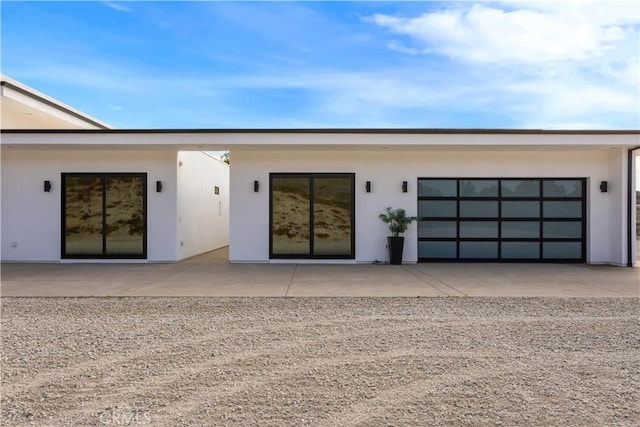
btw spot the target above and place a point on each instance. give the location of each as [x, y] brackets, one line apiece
[320, 361]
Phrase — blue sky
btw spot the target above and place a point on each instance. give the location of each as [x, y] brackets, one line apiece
[551, 65]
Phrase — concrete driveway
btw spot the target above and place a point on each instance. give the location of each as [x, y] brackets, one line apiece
[212, 275]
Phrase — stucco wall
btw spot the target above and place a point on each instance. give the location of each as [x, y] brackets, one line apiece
[387, 170]
[32, 218]
[203, 216]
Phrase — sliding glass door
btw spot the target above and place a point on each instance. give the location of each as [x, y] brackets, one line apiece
[104, 215]
[312, 216]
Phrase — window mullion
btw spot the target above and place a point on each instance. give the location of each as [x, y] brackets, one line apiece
[311, 217]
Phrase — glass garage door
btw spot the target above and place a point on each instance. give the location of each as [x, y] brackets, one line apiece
[501, 219]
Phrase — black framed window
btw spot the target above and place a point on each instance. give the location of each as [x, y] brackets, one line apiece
[312, 215]
[104, 215]
[499, 219]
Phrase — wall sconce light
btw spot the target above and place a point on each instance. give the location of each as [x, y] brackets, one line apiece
[158, 186]
[404, 186]
[216, 190]
[367, 186]
[256, 186]
[604, 186]
[47, 186]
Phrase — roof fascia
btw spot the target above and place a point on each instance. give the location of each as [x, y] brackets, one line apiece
[383, 131]
[50, 102]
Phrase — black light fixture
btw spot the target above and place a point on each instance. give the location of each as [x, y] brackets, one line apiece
[47, 186]
[216, 190]
[604, 186]
[158, 186]
[404, 186]
[256, 186]
[367, 186]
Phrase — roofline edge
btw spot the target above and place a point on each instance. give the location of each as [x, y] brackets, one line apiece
[390, 131]
[85, 118]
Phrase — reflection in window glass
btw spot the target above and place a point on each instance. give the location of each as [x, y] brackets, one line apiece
[568, 209]
[437, 188]
[290, 215]
[296, 199]
[332, 216]
[478, 209]
[437, 208]
[125, 215]
[437, 229]
[487, 250]
[478, 229]
[520, 188]
[562, 188]
[437, 249]
[478, 188]
[520, 209]
[83, 216]
[520, 250]
[562, 229]
[520, 229]
[562, 250]
[104, 215]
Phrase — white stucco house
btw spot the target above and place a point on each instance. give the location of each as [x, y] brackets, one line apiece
[314, 195]
[114, 203]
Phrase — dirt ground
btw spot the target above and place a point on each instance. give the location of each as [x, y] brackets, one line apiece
[320, 361]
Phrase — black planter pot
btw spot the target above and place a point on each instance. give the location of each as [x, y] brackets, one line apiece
[396, 246]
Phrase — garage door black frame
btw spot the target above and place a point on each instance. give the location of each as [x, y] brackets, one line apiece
[500, 239]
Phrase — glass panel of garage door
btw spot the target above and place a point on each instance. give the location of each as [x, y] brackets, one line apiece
[332, 216]
[437, 188]
[290, 215]
[83, 216]
[124, 215]
[520, 188]
[562, 188]
[478, 188]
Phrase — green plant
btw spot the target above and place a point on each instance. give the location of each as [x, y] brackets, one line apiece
[397, 220]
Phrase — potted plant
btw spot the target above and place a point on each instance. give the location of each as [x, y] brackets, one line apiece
[398, 222]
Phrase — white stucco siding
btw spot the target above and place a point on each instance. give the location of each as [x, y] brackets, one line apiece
[203, 216]
[616, 201]
[635, 170]
[31, 218]
[387, 170]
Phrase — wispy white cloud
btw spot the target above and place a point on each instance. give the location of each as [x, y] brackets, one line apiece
[520, 32]
[546, 64]
[117, 6]
[399, 47]
[397, 97]
[572, 103]
[468, 83]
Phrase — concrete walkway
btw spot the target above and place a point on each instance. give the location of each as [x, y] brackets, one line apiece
[212, 275]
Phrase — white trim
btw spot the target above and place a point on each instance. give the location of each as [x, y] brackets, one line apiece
[320, 141]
